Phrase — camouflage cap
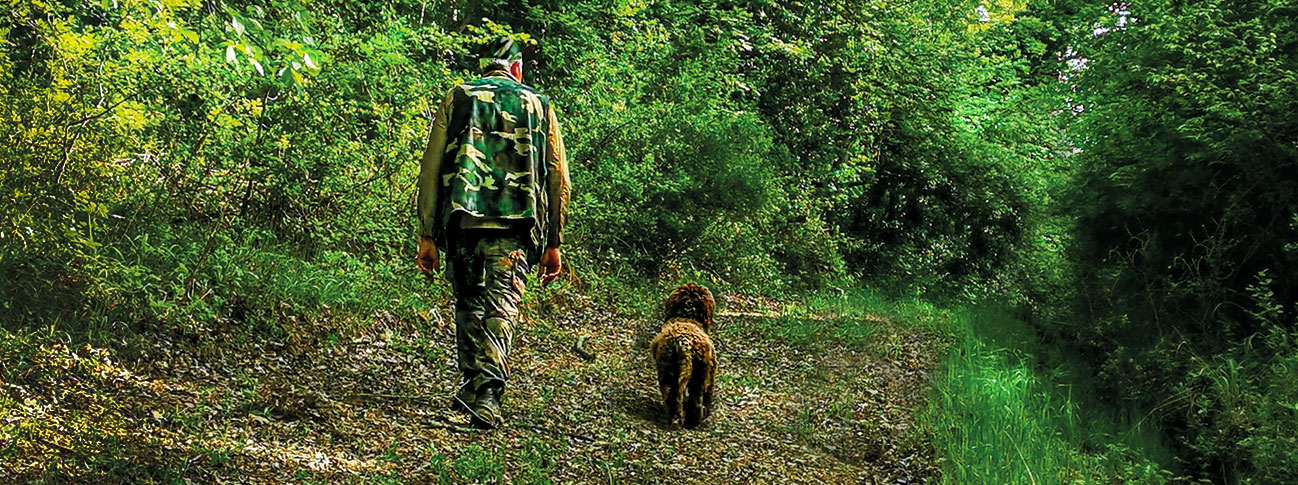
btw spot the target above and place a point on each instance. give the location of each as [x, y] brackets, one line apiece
[501, 52]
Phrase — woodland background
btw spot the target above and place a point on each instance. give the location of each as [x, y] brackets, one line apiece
[1100, 197]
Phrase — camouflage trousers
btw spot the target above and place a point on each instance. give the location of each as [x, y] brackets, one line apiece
[488, 270]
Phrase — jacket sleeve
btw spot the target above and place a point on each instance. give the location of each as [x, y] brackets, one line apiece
[429, 168]
[558, 185]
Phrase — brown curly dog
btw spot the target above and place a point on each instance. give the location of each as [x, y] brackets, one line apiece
[685, 359]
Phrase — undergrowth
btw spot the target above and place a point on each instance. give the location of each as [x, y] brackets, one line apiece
[223, 285]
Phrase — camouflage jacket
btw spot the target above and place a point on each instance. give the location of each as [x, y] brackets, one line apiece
[495, 156]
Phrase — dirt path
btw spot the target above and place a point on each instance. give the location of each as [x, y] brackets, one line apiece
[795, 404]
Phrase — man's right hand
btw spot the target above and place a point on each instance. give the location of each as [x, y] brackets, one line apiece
[549, 267]
[426, 258]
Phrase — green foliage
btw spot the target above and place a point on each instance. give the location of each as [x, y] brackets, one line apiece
[668, 168]
[878, 157]
[1184, 195]
[725, 143]
[860, 171]
[1240, 407]
[190, 163]
[1184, 208]
[235, 171]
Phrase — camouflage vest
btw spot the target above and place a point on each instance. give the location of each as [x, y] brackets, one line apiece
[494, 165]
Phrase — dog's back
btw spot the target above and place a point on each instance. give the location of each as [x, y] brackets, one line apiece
[678, 348]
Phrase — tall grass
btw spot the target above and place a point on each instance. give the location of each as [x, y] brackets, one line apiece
[994, 419]
[994, 424]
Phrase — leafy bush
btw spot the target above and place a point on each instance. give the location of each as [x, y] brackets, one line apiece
[189, 163]
[1185, 226]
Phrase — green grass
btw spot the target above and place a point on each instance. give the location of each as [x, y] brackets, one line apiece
[996, 425]
[538, 459]
[471, 464]
[849, 318]
[187, 279]
[994, 416]
[994, 419]
[479, 465]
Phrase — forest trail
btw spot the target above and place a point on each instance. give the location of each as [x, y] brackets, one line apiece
[815, 398]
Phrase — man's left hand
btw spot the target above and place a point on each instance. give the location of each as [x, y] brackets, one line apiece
[551, 263]
[426, 258]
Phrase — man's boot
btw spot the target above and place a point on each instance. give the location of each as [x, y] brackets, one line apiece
[486, 408]
[464, 399]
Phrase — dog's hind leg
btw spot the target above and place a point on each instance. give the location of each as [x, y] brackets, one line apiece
[677, 407]
[708, 387]
[673, 372]
[699, 393]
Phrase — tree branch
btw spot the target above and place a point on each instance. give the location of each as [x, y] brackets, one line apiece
[99, 114]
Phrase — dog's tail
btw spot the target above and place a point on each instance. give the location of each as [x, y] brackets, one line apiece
[674, 367]
[674, 371]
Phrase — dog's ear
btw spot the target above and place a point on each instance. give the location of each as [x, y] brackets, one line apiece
[670, 303]
[708, 303]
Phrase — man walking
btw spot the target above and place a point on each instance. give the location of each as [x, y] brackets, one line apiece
[493, 191]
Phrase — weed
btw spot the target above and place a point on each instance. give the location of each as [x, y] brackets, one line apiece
[805, 423]
[537, 460]
[478, 465]
[391, 454]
